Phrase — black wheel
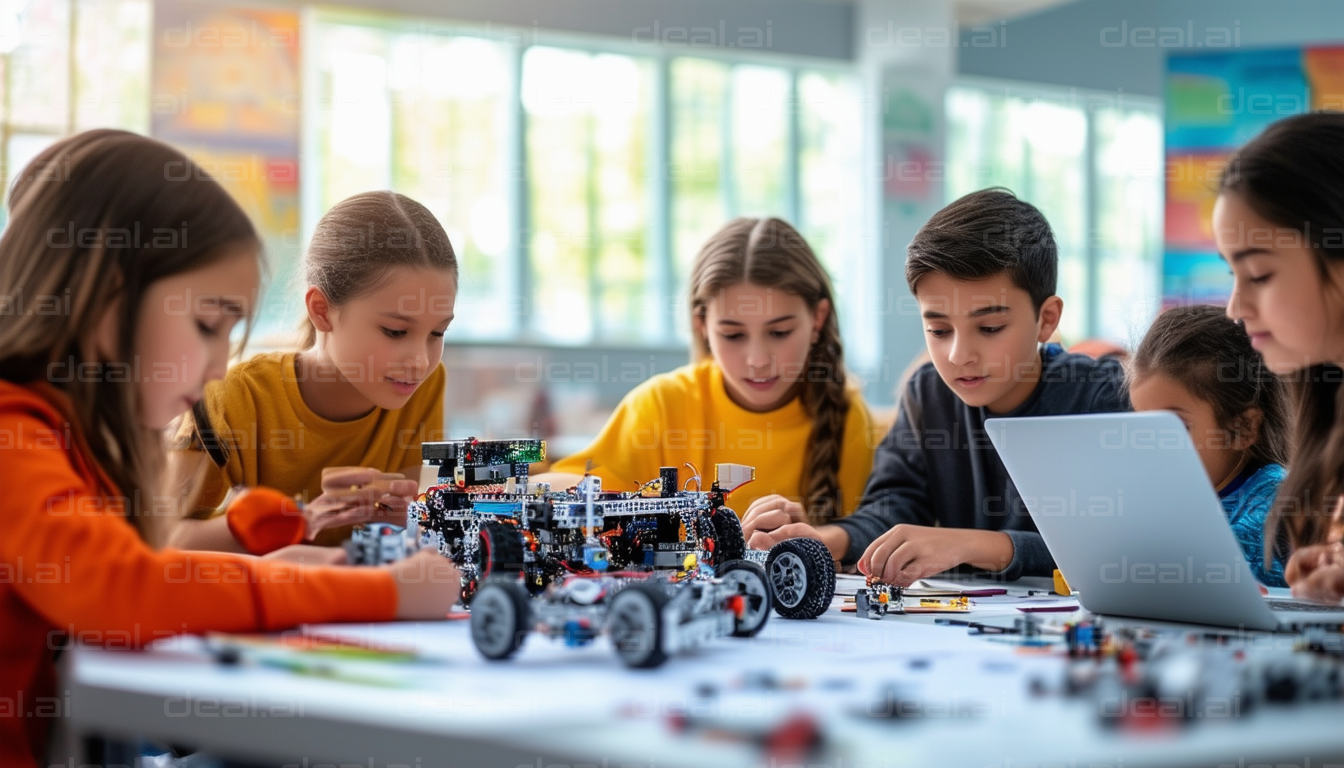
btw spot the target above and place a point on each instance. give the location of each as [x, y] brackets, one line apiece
[723, 531]
[802, 574]
[636, 625]
[499, 550]
[501, 617]
[754, 589]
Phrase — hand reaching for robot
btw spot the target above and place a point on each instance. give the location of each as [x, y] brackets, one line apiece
[308, 554]
[771, 512]
[907, 553]
[427, 586]
[358, 495]
[774, 518]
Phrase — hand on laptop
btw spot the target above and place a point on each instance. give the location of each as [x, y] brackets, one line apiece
[1317, 573]
[910, 552]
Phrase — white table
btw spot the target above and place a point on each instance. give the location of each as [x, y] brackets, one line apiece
[553, 705]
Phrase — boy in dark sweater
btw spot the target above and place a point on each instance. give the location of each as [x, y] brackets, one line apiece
[983, 270]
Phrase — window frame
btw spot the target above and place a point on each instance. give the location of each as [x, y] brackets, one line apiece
[1091, 102]
[663, 271]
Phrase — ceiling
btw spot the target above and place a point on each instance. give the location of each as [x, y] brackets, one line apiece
[972, 12]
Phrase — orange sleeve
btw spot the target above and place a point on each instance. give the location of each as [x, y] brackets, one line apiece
[102, 576]
[264, 520]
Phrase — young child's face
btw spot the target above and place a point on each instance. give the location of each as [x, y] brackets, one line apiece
[760, 338]
[982, 337]
[1215, 445]
[182, 336]
[387, 341]
[1294, 321]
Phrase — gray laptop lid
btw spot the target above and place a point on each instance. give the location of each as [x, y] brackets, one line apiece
[1125, 507]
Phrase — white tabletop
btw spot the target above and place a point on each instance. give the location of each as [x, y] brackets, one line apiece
[557, 705]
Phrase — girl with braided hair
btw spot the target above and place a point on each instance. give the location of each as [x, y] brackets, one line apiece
[1199, 364]
[766, 388]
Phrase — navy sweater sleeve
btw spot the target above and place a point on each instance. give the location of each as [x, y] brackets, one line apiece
[896, 492]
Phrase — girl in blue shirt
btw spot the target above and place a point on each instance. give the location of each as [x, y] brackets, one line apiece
[1200, 365]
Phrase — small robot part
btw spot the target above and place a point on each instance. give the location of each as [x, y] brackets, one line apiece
[648, 616]
[1139, 680]
[379, 544]
[802, 575]
[879, 599]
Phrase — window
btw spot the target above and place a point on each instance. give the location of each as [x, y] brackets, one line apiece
[587, 119]
[751, 140]
[1129, 176]
[830, 201]
[427, 114]
[576, 178]
[1092, 164]
[69, 66]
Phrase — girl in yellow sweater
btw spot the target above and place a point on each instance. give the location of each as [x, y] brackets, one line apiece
[767, 388]
[341, 421]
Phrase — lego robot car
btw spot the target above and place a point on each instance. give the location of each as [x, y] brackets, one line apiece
[648, 616]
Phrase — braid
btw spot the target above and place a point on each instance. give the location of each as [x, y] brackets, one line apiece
[826, 401]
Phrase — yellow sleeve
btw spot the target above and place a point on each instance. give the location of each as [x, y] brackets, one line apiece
[856, 457]
[426, 419]
[627, 451]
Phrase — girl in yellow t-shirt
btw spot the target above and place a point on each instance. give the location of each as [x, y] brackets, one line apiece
[767, 388]
[339, 423]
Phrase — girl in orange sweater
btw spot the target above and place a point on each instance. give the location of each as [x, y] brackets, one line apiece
[123, 270]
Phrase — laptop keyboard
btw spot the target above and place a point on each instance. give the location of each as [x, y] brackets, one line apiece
[1297, 605]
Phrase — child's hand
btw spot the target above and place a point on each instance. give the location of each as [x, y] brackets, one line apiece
[770, 513]
[907, 553]
[427, 586]
[358, 495]
[308, 554]
[1317, 573]
[772, 519]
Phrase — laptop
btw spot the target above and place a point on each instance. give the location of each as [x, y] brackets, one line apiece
[1134, 524]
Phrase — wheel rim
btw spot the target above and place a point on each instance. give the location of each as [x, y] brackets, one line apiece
[788, 576]
[633, 628]
[493, 622]
[754, 594]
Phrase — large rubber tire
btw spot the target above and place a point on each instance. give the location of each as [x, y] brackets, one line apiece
[722, 526]
[501, 617]
[500, 550]
[635, 624]
[802, 575]
[755, 590]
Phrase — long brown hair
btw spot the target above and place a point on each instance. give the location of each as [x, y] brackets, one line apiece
[364, 237]
[1292, 175]
[95, 220]
[1210, 354]
[772, 254]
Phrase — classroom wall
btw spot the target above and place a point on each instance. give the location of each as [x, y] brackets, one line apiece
[1113, 45]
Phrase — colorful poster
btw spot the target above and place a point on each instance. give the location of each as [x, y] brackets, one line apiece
[1214, 104]
[225, 89]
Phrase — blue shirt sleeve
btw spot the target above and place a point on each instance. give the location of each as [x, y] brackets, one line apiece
[1247, 509]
